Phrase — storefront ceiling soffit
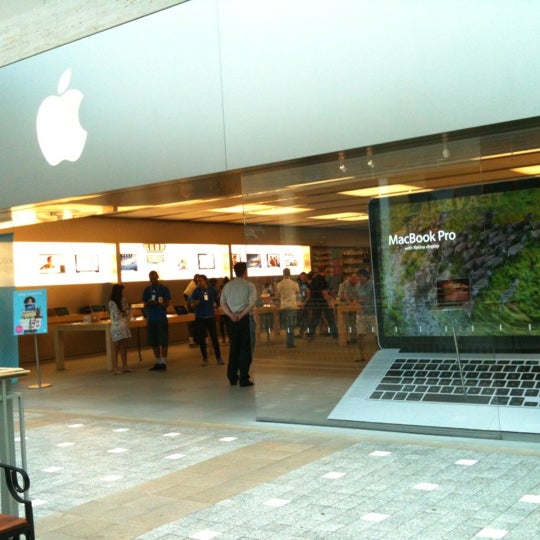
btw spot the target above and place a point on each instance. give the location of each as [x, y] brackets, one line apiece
[312, 188]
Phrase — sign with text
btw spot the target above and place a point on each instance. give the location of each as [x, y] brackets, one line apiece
[30, 312]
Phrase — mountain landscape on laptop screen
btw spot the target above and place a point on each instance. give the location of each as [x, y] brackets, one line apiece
[464, 258]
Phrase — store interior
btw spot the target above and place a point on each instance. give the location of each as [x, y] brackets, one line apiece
[320, 203]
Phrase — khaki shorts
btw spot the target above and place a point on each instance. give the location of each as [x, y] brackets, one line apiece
[366, 324]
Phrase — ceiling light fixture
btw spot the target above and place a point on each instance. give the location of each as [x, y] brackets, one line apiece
[342, 166]
[344, 216]
[321, 182]
[532, 170]
[381, 191]
[507, 154]
[445, 154]
[369, 158]
[261, 209]
[281, 211]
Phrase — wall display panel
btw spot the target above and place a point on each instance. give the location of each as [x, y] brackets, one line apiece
[63, 263]
[475, 248]
[173, 261]
[272, 259]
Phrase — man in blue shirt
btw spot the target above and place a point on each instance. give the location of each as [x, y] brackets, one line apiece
[203, 300]
[156, 298]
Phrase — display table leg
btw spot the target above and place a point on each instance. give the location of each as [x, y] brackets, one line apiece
[59, 349]
[7, 445]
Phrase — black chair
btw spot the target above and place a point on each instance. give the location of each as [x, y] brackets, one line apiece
[12, 527]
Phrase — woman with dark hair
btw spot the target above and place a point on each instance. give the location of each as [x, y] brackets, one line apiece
[120, 314]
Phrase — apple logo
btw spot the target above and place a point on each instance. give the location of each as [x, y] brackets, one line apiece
[60, 134]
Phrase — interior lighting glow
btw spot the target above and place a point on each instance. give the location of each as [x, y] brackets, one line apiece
[380, 191]
[532, 170]
[261, 209]
[344, 216]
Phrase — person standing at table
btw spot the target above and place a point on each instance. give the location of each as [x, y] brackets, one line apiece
[156, 298]
[288, 290]
[348, 296]
[120, 314]
[320, 303]
[203, 300]
[191, 325]
[366, 321]
[238, 299]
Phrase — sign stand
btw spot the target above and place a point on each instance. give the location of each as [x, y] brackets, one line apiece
[38, 369]
[30, 317]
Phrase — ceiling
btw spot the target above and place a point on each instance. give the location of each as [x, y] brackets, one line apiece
[308, 188]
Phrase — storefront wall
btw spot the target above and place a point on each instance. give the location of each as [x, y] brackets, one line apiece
[177, 94]
[210, 86]
[492, 251]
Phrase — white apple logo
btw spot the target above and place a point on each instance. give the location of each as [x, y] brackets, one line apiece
[60, 134]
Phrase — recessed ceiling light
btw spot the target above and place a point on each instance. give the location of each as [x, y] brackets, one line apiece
[507, 154]
[261, 209]
[378, 191]
[321, 182]
[532, 170]
[344, 216]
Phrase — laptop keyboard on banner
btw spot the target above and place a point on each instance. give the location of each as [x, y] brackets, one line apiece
[488, 382]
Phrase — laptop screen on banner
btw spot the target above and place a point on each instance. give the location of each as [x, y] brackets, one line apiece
[466, 258]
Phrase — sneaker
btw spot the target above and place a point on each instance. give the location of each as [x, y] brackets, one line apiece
[192, 345]
[158, 367]
[204, 362]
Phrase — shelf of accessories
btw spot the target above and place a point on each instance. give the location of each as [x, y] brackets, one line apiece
[341, 260]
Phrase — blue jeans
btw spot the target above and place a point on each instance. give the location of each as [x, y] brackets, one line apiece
[288, 320]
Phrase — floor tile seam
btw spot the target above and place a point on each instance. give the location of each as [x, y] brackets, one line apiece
[309, 432]
[285, 432]
[498, 446]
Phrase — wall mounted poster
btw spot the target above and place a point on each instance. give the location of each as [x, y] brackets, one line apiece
[51, 263]
[206, 261]
[30, 312]
[270, 260]
[40, 264]
[173, 261]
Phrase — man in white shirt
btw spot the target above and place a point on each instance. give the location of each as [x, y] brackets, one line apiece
[238, 299]
[288, 291]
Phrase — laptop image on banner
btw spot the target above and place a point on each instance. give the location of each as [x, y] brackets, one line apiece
[456, 276]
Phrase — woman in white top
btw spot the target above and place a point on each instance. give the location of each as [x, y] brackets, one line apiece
[120, 314]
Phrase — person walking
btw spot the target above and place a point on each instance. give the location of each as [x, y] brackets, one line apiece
[120, 314]
[238, 299]
[203, 300]
[288, 291]
[156, 298]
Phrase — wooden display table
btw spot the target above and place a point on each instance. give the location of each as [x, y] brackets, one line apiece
[105, 327]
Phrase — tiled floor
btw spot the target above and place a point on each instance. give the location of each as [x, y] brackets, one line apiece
[180, 455]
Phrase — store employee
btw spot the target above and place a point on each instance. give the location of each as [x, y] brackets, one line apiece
[156, 298]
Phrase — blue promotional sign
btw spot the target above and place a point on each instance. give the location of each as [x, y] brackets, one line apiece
[30, 312]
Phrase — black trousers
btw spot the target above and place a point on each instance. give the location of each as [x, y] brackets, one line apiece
[202, 326]
[240, 355]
